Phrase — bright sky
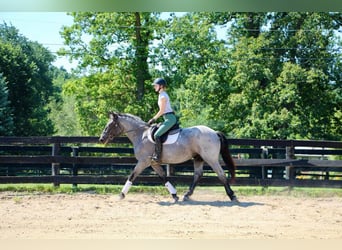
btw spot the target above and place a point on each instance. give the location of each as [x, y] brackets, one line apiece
[42, 27]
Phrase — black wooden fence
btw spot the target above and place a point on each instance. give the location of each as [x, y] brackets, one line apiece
[81, 160]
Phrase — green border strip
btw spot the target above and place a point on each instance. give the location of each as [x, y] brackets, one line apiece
[171, 5]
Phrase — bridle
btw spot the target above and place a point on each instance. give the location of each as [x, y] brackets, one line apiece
[116, 124]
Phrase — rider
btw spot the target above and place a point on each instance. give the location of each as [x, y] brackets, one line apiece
[166, 111]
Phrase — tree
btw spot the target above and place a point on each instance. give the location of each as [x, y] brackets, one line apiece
[199, 100]
[309, 41]
[197, 66]
[189, 46]
[62, 106]
[103, 40]
[99, 93]
[276, 75]
[284, 83]
[26, 67]
[114, 49]
[248, 100]
[6, 119]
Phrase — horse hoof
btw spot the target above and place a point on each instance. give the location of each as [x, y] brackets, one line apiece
[175, 197]
[235, 200]
[186, 198]
[121, 196]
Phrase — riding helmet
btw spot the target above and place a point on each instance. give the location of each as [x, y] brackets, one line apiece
[159, 81]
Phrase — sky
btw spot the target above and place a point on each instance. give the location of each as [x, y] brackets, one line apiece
[44, 28]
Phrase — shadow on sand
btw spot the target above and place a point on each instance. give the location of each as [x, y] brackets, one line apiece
[211, 203]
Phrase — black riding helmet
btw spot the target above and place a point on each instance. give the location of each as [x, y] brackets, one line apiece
[159, 81]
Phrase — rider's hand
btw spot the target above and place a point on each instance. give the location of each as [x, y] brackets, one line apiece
[151, 121]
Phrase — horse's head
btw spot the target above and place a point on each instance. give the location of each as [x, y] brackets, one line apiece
[112, 128]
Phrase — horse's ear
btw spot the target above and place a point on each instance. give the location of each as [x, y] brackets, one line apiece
[113, 115]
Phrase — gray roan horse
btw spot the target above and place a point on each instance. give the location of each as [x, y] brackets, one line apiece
[200, 143]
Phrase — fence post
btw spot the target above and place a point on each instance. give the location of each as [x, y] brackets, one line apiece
[74, 166]
[56, 148]
[169, 170]
[289, 173]
[264, 155]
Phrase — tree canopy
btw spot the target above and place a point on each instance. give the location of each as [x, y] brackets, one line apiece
[25, 67]
[257, 75]
[272, 75]
[6, 115]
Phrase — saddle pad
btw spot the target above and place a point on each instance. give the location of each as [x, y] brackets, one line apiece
[171, 138]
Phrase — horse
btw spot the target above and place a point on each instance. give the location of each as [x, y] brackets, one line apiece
[200, 143]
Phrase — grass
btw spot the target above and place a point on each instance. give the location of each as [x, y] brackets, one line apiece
[290, 191]
[161, 190]
[69, 189]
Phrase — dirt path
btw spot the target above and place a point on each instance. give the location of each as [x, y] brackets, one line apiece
[145, 216]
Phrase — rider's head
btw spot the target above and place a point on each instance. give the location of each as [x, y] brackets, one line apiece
[159, 83]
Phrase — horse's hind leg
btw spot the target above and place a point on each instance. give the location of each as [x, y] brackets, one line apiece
[222, 177]
[198, 173]
[161, 173]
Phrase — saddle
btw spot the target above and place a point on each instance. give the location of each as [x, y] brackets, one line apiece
[173, 130]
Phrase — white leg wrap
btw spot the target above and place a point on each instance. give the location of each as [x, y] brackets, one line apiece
[171, 188]
[125, 189]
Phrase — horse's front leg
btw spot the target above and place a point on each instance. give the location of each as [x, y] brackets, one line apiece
[161, 173]
[134, 174]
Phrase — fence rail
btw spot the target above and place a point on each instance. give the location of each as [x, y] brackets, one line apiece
[81, 160]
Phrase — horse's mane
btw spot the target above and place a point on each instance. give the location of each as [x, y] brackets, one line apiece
[132, 117]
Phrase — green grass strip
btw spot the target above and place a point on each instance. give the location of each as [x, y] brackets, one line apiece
[161, 190]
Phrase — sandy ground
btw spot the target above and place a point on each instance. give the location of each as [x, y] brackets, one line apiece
[144, 216]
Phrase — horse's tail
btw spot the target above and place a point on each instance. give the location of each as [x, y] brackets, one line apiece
[226, 156]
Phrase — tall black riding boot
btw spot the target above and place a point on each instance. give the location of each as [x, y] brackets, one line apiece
[158, 150]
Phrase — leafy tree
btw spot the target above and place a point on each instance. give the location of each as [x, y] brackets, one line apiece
[309, 40]
[284, 83]
[276, 75]
[99, 93]
[199, 100]
[6, 119]
[26, 67]
[62, 106]
[101, 40]
[252, 76]
[190, 47]
[197, 65]
[114, 49]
